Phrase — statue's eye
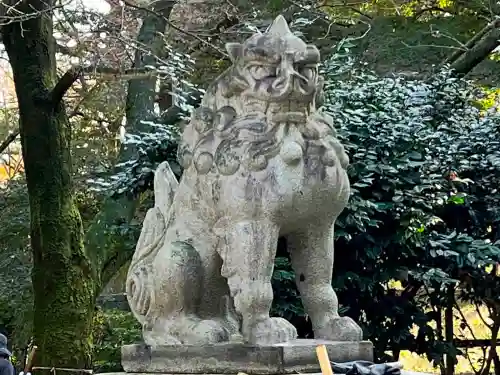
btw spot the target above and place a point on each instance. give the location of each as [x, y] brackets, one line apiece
[262, 71]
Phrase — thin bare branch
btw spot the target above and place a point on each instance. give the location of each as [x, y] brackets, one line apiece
[464, 320]
[64, 84]
[7, 141]
[422, 11]
[478, 310]
[176, 28]
[10, 12]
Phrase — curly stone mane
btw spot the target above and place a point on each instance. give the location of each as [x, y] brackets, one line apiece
[273, 83]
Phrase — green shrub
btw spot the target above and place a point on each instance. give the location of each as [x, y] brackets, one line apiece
[112, 329]
[424, 204]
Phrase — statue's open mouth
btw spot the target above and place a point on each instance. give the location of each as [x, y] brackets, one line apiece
[293, 82]
[280, 80]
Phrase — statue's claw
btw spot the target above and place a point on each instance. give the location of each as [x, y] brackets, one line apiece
[270, 331]
[186, 330]
[341, 329]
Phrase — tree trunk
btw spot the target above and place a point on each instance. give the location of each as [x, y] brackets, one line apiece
[478, 49]
[106, 238]
[63, 279]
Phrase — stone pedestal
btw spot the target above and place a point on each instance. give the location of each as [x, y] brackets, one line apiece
[297, 356]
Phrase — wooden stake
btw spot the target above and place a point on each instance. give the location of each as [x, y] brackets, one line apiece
[29, 360]
[324, 361]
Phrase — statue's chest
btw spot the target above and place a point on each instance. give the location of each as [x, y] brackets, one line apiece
[285, 191]
[307, 175]
[306, 172]
[307, 188]
[313, 160]
[303, 177]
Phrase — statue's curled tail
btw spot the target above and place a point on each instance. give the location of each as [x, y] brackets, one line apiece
[140, 283]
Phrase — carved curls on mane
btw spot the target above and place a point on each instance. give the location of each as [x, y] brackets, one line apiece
[222, 138]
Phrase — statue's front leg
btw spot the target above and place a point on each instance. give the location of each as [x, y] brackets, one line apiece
[248, 250]
[312, 255]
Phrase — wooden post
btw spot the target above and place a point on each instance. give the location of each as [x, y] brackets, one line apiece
[324, 361]
[448, 326]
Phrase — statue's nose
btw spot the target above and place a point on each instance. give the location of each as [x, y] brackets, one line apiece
[286, 66]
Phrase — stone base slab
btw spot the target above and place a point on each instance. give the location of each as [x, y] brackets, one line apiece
[297, 356]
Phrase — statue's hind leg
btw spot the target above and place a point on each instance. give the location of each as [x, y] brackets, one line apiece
[248, 250]
[216, 300]
[178, 273]
[312, 253]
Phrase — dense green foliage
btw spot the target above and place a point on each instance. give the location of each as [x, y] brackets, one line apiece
[424, 171]
[15, 287]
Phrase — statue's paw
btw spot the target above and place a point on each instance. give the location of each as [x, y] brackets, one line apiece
[208, 332]
[187, 330]
[340, 329]
[155, 338]
[270, 331]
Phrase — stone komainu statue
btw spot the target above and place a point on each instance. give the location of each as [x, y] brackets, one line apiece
[260, 162]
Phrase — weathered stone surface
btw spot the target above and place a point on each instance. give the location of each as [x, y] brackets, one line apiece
[300, 355]
[260, 161]
[227, 358]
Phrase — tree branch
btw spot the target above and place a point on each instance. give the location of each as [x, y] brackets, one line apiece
[454, 56]
[74, 73]
[63, 49]
[64, 85]
[176, 28]
[106, 72]
[108, 246]
[419, 13]
[113, 73]
[7, 141]
[478, 51]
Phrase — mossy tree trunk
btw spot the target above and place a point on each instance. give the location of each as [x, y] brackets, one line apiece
[69, 267]
[63, 278]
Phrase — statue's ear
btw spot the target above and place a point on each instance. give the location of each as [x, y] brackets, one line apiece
[234, 50]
